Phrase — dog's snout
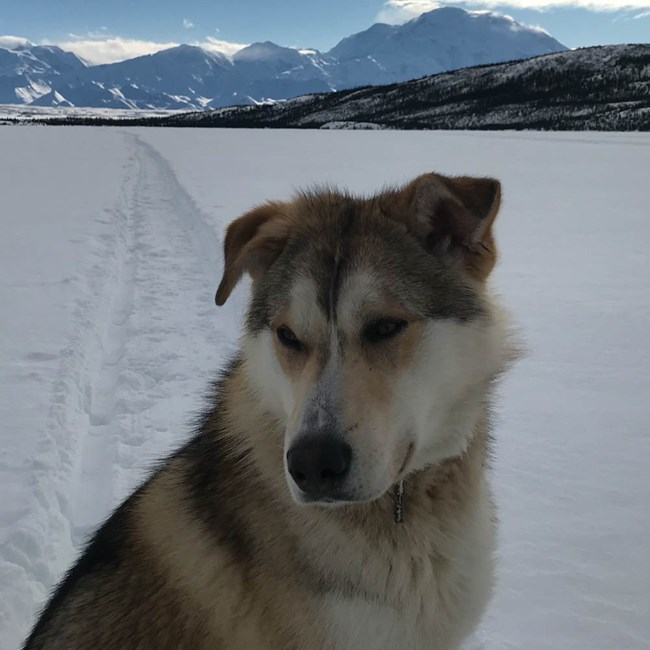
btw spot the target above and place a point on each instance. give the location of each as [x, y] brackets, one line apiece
[319, 468]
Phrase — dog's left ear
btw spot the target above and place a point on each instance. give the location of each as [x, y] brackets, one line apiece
[253, 242]
[454, 216]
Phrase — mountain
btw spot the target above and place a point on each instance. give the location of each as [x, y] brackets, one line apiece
[29, 71]
[182, 77]
[600, 88]
[188, 77]
[176, 78]
[443, 39]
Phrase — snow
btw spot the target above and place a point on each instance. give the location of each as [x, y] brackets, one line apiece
[27, 113]
[33, 91]
[109, 258]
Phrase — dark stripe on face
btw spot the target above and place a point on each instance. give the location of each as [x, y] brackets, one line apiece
[333, 272]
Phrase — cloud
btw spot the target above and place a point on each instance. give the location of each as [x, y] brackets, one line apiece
[397, 11]
[110, 50]
[187, 23]
[12, 42]
[594, 5]
[537, 28]
[100, 33]
[644, 14]
[216, 45]
[98, 48]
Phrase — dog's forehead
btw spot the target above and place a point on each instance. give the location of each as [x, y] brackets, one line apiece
[314, 302]
[348, 260]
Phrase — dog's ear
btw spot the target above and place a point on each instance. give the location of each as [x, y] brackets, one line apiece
[454, 216]
[253, 242]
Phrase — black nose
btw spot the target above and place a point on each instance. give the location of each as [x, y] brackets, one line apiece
[319, 468]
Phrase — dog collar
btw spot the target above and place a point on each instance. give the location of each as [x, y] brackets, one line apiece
[399, 503]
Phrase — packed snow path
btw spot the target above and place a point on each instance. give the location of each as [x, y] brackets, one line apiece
[145, 336]
[124, 392]
[110, 255]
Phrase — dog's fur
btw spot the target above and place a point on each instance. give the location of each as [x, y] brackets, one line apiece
[220, 548]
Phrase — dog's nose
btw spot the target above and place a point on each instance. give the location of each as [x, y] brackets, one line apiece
[318, 468]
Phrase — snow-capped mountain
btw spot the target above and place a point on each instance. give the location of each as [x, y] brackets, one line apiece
[188, 77]
[444, 39]
[602, 88]
[29, 71]
[180, 77]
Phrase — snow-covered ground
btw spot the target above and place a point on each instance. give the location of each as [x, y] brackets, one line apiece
[109, 257]
[27, 113]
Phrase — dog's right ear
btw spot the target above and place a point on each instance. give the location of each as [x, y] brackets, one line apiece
[252, 244]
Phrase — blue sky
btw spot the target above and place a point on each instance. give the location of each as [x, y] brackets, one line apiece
[103, 30]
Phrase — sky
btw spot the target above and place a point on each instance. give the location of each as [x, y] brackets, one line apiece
[103, 31]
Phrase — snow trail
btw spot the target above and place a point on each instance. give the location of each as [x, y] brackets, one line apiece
[93, 485]
[131, 376]
[163, 286]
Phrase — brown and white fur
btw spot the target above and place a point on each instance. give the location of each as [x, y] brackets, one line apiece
[369, 355]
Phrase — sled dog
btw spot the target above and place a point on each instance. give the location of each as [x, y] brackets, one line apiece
[335, 494]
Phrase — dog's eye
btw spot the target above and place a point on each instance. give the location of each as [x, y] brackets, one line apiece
[288, 338]
[382, 329]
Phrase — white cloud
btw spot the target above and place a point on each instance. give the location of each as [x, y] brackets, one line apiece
[644, 14]
[12, 42]
[515, 25]
[216, 45]
[537, 28]
[187, 23]
[102, 32]
[110, 50]
[596, 5]
[397, 11]
[96, 50]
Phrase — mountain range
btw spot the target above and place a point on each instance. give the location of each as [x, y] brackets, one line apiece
[605, 88]
[189, 77]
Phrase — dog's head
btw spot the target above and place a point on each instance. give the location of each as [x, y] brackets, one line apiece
[369, 334]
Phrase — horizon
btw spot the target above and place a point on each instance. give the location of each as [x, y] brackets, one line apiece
[590, 26]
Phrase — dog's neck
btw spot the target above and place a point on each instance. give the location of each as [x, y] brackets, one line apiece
[428, 492]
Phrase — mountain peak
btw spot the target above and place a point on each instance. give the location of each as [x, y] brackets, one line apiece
[263, 51]
[458, 16]
[188, 55]
[443, 12]
[183, 48]
[443, 39]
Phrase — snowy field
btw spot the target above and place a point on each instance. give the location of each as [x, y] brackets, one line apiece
[25, 112]
[109, 258]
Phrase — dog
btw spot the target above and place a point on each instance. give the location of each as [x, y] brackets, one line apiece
[335, 494]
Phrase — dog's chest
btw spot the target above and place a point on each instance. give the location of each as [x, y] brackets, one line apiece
[436, 616]
[361, 625]
[425, 605]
